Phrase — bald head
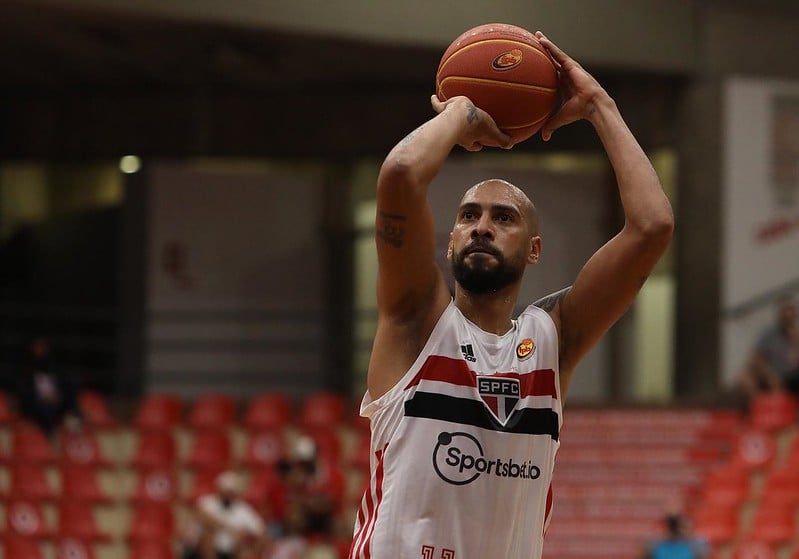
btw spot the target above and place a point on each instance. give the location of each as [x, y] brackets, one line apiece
[506, 193]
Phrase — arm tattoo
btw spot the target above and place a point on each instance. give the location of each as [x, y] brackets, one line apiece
[471, 116]
[409, 138]
[391, 228]
[550, 301]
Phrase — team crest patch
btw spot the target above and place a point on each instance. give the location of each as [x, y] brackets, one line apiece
[500, 395]
[525, 349]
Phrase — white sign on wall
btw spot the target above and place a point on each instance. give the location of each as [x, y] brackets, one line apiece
[760, 236]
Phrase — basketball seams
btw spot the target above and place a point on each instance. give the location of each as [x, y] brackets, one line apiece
[538, 51]
[500, 83]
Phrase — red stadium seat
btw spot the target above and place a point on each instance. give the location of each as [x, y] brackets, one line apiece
[154, 549]
[754, 550]
[212, 412]
[7, 415]
[362, 454]
[22, 548]
[261, 484]
[30, 446]
[204, 483]
[151, 522]
[265, 448]
[267, 411]
[772, 411]
[94, 408]
[156, 486]
[76, 520]
[781, 487]
[719, 525]
[159, 412]
[28, 482]
[755, 449]
[728, 485]
[25, 519]
[774, 525]
[154, 450]
[74, 548]
[82, 449]
[79, 484]
[210, 450]
[322, 409]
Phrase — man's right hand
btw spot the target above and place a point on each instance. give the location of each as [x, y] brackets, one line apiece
[480, 129]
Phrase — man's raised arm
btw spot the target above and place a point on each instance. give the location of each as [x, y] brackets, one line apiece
[411, 292]
[610, 280]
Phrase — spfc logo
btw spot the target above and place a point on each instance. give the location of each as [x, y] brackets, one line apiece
[500, 394]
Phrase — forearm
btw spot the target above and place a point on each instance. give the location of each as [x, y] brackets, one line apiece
[418, 157]
[646, 207]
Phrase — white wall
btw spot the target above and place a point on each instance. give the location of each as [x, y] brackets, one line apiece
[235, 278]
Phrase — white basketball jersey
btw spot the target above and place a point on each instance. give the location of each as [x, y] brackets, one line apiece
[464, 445]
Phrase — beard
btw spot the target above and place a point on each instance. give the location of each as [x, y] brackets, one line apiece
[477, 276]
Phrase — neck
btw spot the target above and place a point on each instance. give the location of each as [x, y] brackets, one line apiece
[491, 312]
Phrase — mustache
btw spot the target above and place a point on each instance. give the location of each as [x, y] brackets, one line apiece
[480, 244]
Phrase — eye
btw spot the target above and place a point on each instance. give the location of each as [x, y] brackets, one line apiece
[505, 217]
[467, 214]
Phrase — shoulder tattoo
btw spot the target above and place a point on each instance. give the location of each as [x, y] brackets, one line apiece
[550, 301]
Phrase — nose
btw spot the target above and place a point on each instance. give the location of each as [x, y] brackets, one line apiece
[484, 228]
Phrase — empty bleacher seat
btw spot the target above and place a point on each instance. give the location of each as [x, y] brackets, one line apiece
[774, 524]
[74, 548]
[210, 450]
[755, 449]
[267, 411]
[717, 524]
[754, 549]
[151, 549]
[82, 448]
[322, 409]
[264, 448]
[80, 484]
[22, 548]
[159, 412]
[212, 412]
[728, 485]
[772, 411]
[76, 520]
[29, 482]
[154, 450]
[7, 414]
[25, 519]
[156, 486]
[30, 446]
[151, 522]
[95, 410]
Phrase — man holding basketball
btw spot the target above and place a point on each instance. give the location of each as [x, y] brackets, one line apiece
[465, 402]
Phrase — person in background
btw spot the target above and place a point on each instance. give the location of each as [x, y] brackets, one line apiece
[774, 363]
[46, 395]
[229, 528]
[308, 496]
[677, 544]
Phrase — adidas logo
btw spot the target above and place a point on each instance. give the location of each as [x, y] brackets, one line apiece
[468, 353]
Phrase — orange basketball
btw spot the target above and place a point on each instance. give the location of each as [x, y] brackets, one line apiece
[506, 72]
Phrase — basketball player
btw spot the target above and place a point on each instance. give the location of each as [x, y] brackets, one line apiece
[465, 402]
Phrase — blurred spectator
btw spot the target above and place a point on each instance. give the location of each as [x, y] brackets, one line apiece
[47, 395]
[677, 544]
[307, 498]
[225, 526]
[774, 364]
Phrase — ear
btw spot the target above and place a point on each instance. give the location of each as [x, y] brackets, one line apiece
[535, 250]
[450, 248]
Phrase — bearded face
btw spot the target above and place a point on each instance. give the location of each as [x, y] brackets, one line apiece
[481, 268]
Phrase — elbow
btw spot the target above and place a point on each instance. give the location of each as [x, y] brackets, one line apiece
[657, 230]
[396, 172]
